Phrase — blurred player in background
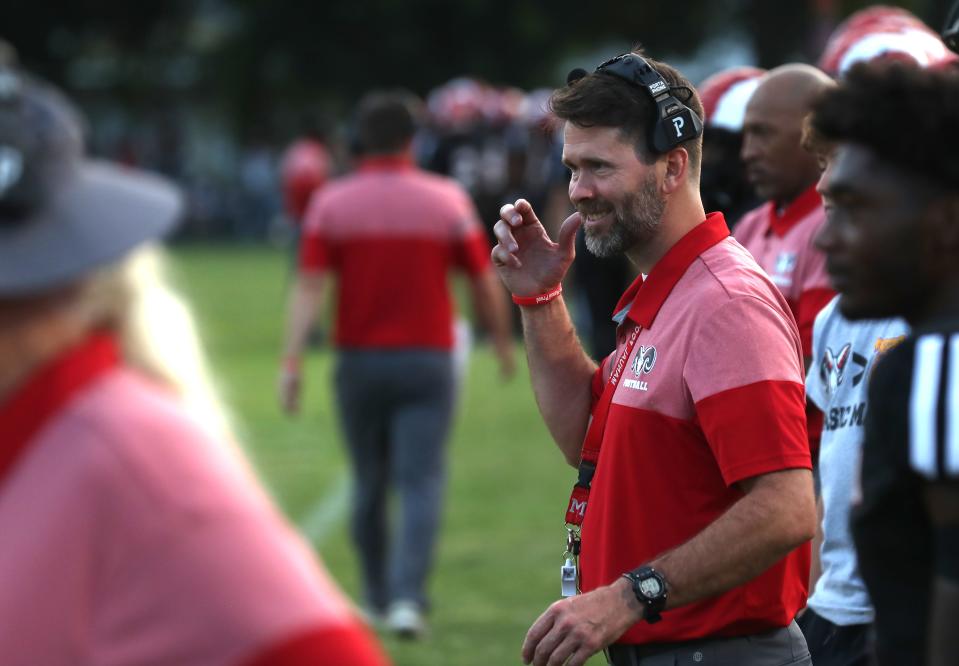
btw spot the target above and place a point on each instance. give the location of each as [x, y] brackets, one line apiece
[892, 245]
[838, 624]
[723, 182]
[883, 33]
[392, 234]
[305, 167]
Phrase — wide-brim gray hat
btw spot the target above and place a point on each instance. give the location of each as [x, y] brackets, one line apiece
[63, 215]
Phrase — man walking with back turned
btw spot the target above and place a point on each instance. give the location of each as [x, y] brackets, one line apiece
[392, 234]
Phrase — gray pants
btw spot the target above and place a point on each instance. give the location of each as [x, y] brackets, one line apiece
[396, 408]
[780, 647]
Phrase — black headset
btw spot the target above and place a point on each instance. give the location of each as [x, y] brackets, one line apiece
[675, 122]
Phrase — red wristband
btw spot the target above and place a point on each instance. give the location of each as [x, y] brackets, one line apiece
[291, 364]
[546, 297]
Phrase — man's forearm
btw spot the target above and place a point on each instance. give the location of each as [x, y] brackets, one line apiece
[304, 303]
[815, 567]
[491, 306]
[561, 374]
[770, 521]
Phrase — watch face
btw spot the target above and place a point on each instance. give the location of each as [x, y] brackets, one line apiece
[651, 587]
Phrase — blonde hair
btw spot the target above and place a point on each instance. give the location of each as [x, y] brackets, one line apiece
[157, 332]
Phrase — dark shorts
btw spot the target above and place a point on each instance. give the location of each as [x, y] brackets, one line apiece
[836, 645]
[779, 647]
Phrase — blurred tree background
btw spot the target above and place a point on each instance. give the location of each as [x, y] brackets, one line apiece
[203, 89]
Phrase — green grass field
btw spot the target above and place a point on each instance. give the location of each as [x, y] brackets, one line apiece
[499, 555]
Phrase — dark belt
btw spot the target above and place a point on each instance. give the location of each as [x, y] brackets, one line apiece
[621, 654]
[779, 645]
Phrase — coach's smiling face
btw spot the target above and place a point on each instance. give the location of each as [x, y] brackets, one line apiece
[877, 237]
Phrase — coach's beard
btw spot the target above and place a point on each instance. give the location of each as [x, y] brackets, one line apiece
[635, 220]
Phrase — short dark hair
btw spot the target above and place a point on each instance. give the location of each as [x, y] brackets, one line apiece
[603, 100]
[386, 121]
[907, 115]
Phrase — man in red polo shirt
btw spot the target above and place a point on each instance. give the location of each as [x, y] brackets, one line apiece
[392, 234]
[694, 495]
[779, 233]
[133, 530]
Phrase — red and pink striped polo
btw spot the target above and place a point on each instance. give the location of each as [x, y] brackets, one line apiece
[712, 395]
[392, 233]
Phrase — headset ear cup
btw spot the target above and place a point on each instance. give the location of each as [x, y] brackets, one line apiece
[658, 139]
[675, 121]
[672, 129]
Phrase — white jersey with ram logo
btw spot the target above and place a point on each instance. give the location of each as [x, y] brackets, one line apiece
[844, 353]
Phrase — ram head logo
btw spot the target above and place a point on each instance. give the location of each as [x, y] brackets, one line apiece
[833, 366]
[644, 360]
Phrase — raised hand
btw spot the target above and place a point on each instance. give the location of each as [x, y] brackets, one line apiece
[528, 262]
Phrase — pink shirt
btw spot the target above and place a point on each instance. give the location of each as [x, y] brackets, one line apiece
[712, 394]
[130, 536]
[782, 244]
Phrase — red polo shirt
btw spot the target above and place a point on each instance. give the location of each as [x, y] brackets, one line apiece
[782, 244]
[134, 537]
[712, 395]
[392, 233]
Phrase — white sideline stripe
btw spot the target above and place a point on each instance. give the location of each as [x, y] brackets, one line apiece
[925, 400]
[327, 511]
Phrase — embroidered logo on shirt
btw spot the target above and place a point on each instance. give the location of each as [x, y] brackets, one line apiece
[643, 363]
[783, 269]
[645, 360]
[832, 367]
[885, 344]
[786, 263]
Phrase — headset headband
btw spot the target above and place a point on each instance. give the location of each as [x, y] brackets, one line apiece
[634, 69]
[675, 122]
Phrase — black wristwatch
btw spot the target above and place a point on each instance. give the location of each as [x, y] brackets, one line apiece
[649, 586]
